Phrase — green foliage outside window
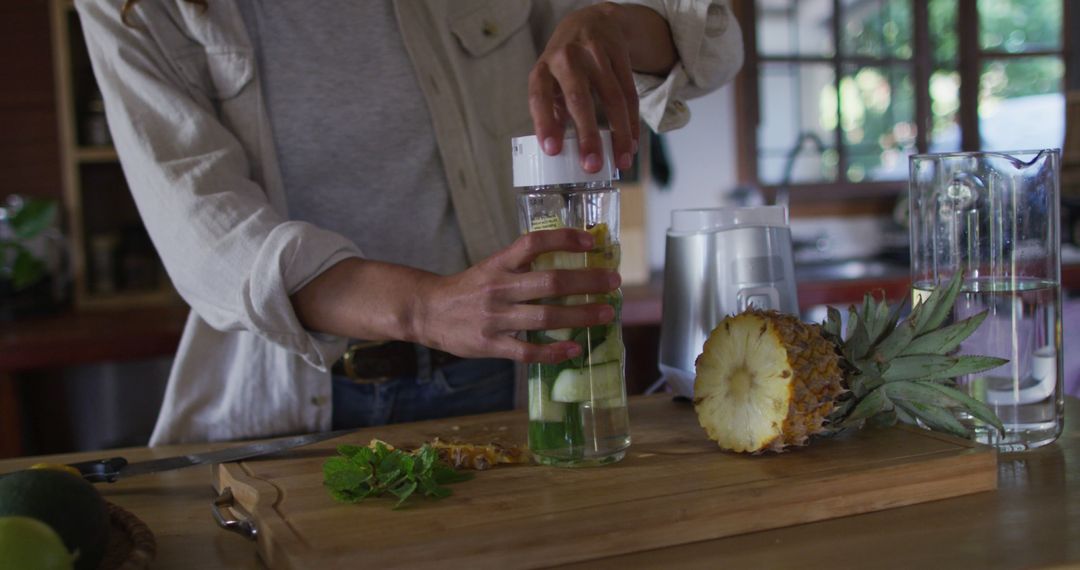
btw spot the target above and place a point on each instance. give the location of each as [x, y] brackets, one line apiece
[873, 103]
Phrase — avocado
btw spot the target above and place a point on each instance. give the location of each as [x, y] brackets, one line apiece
[65, 502]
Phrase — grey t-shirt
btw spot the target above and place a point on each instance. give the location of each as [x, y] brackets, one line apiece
[353, 134]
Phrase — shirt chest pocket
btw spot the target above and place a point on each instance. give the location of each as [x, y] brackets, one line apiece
[497, 55]
[218, 72]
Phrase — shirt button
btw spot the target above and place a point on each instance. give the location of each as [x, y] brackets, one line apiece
[315, 400]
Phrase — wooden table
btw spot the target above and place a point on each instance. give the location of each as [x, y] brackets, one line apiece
[1032, 520]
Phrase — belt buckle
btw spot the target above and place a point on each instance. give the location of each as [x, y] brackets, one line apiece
[348, 361]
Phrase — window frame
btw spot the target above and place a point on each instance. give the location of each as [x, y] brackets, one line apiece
[970, 58]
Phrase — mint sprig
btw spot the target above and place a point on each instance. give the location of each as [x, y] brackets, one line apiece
[358, 473]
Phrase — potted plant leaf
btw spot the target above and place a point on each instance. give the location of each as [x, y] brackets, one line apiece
[26, 278]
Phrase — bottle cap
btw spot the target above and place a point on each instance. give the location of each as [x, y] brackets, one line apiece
[534, 167]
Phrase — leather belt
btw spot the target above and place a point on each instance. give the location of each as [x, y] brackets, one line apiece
[378, 362]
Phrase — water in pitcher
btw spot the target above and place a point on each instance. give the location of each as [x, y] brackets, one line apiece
[1023, 325]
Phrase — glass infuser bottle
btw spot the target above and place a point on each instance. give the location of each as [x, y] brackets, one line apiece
[577, 408]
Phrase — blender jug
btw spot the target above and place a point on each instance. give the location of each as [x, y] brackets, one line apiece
[720, 261]
[994, 218]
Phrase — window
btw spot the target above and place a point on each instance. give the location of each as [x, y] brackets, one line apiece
[841, 92]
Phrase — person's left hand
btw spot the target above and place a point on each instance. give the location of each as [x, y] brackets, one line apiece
[587, 52]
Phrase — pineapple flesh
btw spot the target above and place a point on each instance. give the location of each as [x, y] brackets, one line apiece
[766, 381]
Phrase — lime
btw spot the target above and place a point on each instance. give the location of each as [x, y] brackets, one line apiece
[72, 507]
[29, 544]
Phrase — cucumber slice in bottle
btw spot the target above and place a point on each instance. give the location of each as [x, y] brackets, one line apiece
[596, 382]
[609, 350]
[560, 334]
[541, 408]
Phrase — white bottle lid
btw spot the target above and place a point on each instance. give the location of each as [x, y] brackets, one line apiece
[534, 167]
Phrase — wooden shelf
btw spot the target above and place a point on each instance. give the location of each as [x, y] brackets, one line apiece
[95, 154]
[88, 337]
[96, 200]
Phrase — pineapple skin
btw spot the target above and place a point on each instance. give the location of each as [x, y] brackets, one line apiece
[808, 380]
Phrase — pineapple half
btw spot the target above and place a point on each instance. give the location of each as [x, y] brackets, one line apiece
[767, 381]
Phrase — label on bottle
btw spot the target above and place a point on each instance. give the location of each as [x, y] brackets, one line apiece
[545, 223]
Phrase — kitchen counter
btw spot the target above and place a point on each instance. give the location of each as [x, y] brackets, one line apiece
[1030, 521]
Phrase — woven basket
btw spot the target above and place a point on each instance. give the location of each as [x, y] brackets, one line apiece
[131, 543]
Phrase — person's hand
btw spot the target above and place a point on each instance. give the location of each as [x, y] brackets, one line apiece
[590, 51]
[478, 312]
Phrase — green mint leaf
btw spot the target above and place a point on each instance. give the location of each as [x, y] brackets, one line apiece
[408, 463]
[433, 490]
[366, 455]
[362, 472]
[349, 450]
[428, 456]
[335, 465]
[403, 492]
[443, 475]
[389, 468]
[345, 496]
[341, 474]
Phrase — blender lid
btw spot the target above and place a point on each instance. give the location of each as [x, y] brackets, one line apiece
[706, 220]
[534, 167]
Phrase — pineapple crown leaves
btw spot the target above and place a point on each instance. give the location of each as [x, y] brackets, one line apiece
[904, 370]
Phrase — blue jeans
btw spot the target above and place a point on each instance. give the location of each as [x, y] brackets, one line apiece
[471, 386]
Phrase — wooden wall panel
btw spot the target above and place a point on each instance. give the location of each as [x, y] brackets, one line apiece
[29, 140]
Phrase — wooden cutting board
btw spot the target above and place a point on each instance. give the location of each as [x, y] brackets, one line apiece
[674, 487]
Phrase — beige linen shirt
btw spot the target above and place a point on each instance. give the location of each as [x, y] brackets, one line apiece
[190, 124]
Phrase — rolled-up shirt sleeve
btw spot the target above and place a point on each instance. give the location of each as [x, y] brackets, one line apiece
[709, 44]
[231, 254]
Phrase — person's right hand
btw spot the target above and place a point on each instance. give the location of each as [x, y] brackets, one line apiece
[478, 312]
[596, 50]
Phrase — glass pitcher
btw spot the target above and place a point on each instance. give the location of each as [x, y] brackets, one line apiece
[994, 217]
